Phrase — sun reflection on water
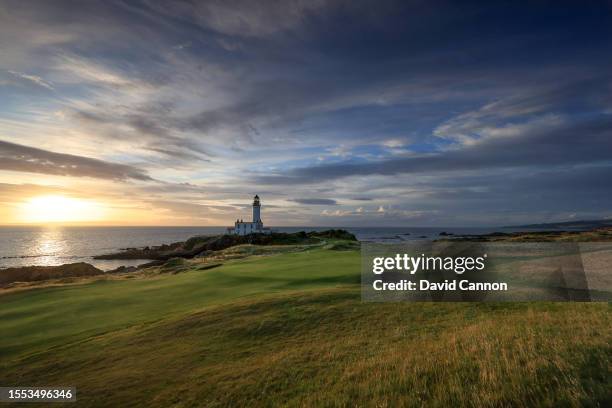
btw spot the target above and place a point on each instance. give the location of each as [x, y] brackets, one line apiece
[50, 246]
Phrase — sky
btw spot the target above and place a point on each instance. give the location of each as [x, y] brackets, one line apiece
[337, 113]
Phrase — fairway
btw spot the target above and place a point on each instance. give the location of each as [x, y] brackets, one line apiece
[38, 319]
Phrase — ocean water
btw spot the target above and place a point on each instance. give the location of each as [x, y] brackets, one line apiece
[27, 246]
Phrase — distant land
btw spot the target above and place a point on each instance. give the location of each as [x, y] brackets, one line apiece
[582, 224]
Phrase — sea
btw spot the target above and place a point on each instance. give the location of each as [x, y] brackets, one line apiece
[47, 246]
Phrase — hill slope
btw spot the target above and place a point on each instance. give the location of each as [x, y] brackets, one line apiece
[41, 318]
[291, 330]
[328, 348]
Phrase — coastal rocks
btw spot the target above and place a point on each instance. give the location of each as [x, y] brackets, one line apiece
[124, 269]
[40, 273]
[333, 234]
[204, 245]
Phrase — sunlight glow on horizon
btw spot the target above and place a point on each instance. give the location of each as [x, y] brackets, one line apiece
[57, 208]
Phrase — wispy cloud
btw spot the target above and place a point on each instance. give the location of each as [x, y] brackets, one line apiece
[239, 17]
[33, 79]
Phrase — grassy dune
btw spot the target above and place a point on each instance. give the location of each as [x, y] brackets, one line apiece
[291, 330]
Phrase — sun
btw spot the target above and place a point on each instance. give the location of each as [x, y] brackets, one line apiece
[58, 209]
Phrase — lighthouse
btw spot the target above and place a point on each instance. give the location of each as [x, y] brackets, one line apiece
[255, 227]
[256, 210]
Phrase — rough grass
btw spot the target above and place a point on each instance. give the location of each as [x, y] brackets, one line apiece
[291, 330]
[602, 234]
[329, 349]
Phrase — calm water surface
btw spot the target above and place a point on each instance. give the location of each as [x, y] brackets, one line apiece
[25, 246]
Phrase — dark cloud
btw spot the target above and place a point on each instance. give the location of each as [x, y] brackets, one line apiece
[314, 201]
[21, 158]
[152, 127]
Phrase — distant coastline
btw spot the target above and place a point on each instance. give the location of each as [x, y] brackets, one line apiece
[574, 225]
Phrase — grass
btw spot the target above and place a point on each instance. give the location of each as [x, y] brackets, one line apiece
[291, 330]
[38, 319]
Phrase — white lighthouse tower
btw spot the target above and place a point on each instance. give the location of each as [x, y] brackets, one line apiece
[255, 227]
[256, 210]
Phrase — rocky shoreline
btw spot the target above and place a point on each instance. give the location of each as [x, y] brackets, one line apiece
[207, 246]
[201, 246]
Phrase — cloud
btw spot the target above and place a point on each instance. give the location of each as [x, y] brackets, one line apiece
[557, 143]
[76, 69]
[33, 79]
[191, 209]
[314, 201]
[360, 213]
[152, 127]
[526, 109]
[15, 157]
[394, 143]
[239, 17]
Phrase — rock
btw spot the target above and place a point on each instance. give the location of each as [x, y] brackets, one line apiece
[39, 273]
[124, 269]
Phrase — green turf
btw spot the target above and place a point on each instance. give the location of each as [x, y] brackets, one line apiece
[42, 318]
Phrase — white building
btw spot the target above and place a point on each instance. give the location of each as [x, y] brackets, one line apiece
[255, 227]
